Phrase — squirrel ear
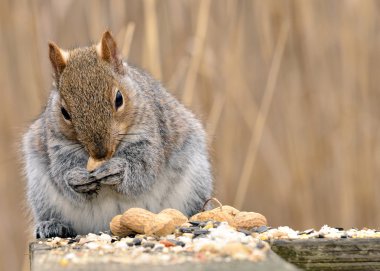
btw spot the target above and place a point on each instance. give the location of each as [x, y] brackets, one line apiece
[58, 59]
[107, 50]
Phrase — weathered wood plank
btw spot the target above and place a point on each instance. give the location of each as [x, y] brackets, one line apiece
[331, 254]
[43, 258]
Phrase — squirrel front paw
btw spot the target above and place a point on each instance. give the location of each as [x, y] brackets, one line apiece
[81, 182]
[53, 228]
[111, 172]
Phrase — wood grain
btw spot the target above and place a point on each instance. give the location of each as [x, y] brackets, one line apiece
[338, 254]
[43, 258]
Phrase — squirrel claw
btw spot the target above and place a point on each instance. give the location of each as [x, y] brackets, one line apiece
[112, 180]
[81, 182]
[52, 228]
[110, 170]
[88, 188]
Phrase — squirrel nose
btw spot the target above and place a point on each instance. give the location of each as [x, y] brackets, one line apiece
[100, 151]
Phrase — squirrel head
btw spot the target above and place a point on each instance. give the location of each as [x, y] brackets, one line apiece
[93, 105]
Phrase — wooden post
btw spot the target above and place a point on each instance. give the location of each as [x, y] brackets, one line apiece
[45, 258]
[331, 254]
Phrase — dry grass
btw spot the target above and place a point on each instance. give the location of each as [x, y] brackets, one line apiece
[288, 91]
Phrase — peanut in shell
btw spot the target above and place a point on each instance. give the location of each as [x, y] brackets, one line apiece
[162, 224]
[248, 220]
[177, 217]
[214, 215]
[136, 219]
[227, 209]
[117, 228]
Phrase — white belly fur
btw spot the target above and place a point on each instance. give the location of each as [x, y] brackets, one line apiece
[96, 215]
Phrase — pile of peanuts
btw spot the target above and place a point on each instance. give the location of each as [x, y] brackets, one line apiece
[141, 221]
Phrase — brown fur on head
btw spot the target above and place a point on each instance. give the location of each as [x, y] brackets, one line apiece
[88, 80]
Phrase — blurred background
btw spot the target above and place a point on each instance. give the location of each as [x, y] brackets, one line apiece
[287, 90]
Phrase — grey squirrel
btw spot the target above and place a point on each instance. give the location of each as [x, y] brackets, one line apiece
[154, 149]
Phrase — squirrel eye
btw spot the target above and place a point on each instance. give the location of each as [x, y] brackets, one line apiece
[118, 99]
[65, 114]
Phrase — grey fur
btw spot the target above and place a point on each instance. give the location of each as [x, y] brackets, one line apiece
[161, 162]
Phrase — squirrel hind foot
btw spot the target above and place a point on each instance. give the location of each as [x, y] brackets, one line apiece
[53, 228]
